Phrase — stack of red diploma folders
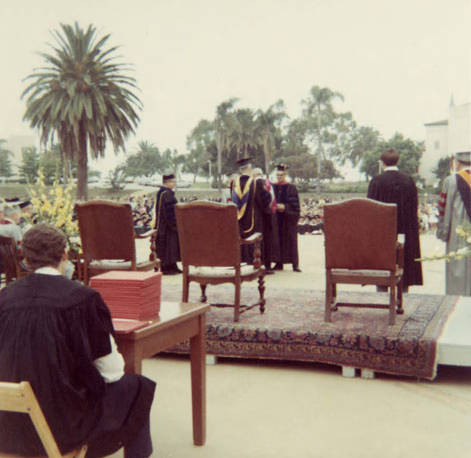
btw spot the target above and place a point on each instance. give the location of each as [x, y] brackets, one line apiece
[130, 294]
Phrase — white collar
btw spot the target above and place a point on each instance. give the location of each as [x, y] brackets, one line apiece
[391, 167]
[47, 270]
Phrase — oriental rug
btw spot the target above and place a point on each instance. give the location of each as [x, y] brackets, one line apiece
[293, 328]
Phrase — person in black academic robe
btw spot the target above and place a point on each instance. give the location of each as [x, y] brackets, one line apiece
[288, 211]
[166, 238]
[395, 187]
[253, 204]
[58, 335]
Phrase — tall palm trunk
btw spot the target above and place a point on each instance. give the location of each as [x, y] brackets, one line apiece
[82, 166]
[266, 153]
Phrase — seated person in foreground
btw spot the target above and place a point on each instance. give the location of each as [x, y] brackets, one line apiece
[58, 335]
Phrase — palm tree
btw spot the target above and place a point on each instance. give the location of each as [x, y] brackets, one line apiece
[268, 123]
[244, 133]
[319, 114]
[5, 162]
[223, 126]
[84, 96]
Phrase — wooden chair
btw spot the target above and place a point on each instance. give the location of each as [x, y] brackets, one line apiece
[210, 248]
[361, 247]
[19, 397]
[108, 239]
[9, 256]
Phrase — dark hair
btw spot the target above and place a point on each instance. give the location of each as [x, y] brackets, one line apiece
[390, 157]
[43, 245]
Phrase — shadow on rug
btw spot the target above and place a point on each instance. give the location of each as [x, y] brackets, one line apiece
[293, 328]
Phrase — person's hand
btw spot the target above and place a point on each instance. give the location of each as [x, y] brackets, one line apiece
[280, 207]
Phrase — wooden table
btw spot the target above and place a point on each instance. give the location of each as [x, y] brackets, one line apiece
[176, 322]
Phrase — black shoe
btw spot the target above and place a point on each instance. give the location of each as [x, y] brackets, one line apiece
[296, 269]
[278, 266]
[169, 272]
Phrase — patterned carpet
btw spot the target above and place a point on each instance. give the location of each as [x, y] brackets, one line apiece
[293, 328]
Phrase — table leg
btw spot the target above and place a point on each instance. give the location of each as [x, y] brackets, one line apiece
[198, 382]
[132, 357]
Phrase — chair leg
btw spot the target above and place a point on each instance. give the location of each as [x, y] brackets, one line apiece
[334, 297]
[392, 304]
[203, 293]
[261, 290]
[328, 298]
[400, 310]
[237, 301]
[186, 287]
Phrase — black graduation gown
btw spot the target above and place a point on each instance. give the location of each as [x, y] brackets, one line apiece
[52, 329]
[287, 194]
[167, 246]
[398, 188]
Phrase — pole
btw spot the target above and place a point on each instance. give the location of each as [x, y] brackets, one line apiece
[219, 163]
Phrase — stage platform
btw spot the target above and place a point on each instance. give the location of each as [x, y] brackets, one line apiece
[432, 331]
[454, 344]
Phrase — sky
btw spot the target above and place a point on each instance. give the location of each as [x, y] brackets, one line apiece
[396, 62]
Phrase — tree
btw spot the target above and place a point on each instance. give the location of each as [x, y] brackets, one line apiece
[172, 161]
[329, 132]
[5, 162]
[370, 161]
[202, 146]
[146, 162]
[410, 154]
[268, 124]
[50, 164]
[302, 167]
[30, 164]
[364, 139]
[223, 126]
[328, 170]
[409, 159]
[244, 133]
[84, 96]
[294, 141]
[442, 169]
[117, 178]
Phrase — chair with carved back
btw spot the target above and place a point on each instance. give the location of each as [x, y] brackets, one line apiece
[108, 239]
[210, 248]
[361, 247]
[20, 397]
[10, 260]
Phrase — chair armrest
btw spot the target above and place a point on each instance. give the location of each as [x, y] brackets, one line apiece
[145, 234]
[254, 238]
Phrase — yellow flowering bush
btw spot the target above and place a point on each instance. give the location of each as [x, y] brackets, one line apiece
[55, 205]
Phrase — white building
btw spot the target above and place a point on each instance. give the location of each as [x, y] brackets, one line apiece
[445, 138]
[15, 144]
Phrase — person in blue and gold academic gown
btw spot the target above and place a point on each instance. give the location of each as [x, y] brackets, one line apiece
[253, 202]
[287, 212]
[166, 238]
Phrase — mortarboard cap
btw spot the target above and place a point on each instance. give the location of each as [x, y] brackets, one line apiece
[168, 176]
[25, 203]
[463, 156]
[243, 161]
[282, 167]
